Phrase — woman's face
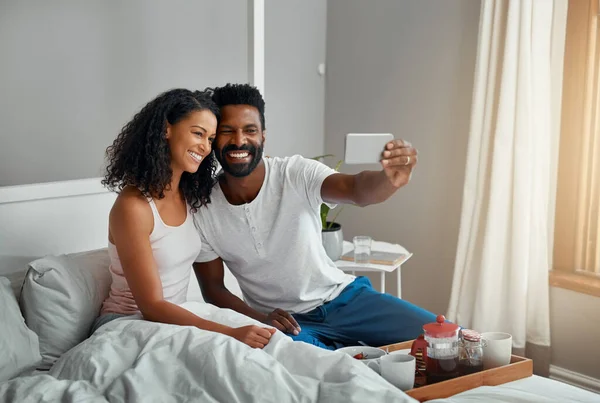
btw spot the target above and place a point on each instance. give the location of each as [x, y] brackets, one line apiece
[191, 139]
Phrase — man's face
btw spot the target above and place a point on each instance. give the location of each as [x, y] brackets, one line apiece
[239, 142]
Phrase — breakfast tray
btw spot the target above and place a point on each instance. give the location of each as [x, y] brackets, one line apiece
[518, 368]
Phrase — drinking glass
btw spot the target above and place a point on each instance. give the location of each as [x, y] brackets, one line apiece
[362, 249]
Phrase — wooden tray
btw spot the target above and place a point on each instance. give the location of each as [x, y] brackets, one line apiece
[518, 368]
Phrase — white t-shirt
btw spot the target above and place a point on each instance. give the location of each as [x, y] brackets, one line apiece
[273, 245]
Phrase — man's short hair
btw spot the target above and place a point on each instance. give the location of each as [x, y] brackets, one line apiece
[240, 94]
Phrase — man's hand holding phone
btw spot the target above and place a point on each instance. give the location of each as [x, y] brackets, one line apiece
[398, 160]
[397, 157]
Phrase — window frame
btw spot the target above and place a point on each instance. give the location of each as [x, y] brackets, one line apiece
[578, 115]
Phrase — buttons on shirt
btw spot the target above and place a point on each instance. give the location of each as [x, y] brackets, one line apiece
[254, 230]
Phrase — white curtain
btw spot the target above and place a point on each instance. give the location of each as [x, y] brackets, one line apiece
[501, 270]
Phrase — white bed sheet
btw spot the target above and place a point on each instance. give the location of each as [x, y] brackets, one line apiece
[534, 389]
[45, 388]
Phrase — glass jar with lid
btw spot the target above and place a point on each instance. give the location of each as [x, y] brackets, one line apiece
[470, 352]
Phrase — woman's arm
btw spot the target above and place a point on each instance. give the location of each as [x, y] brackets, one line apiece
[130, 223]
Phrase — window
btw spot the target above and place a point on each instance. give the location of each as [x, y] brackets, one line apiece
[577, 226]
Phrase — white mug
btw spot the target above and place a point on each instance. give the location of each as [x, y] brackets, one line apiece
[397, 369]
[497, 349]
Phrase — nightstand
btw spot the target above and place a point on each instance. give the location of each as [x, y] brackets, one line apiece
[352, 267]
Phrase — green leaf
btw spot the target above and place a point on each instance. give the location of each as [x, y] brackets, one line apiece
[320, 157]
[324, 212]
[337, 213]
[324, 208]
[337, 167]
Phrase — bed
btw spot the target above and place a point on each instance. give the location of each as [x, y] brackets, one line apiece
[51, 253]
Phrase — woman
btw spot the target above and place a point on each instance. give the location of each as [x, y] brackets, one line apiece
[163, 168]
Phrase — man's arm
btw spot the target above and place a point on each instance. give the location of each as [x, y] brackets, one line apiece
[211, 276]
[370, 187]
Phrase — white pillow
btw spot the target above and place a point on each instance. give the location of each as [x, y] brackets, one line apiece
[19, 346]
[61, 298]
[14, 269]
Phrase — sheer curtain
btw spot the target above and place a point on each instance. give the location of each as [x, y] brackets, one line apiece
[504, 248]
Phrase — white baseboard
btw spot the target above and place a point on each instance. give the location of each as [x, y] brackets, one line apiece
[574, 378]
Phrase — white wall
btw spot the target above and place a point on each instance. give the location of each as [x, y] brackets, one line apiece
[406, 67]
[575, 331]
[294, 91]
[73, 73]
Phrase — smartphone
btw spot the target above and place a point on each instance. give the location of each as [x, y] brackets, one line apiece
[365, 148]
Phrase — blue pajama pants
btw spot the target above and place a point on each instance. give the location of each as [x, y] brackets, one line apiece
[360, 313]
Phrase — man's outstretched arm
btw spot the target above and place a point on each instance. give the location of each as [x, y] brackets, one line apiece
[370, 187]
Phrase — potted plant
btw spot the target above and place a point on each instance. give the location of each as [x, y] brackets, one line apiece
[331, 231]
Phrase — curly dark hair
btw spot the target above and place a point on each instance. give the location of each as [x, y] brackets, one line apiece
[140, 156]
[240, 94]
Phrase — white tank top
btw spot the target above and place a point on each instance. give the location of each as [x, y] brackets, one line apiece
[174, 250]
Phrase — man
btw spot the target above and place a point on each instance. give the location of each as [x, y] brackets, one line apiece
[263, 222]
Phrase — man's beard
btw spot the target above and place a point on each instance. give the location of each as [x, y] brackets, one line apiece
[240, 170]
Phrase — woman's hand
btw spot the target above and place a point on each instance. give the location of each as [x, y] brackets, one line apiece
[254, 336]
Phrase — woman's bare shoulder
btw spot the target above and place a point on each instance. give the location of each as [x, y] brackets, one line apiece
[131, 207]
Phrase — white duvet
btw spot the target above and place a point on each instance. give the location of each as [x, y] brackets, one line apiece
[130, 360]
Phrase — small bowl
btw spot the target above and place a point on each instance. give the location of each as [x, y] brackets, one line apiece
[370, 353]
